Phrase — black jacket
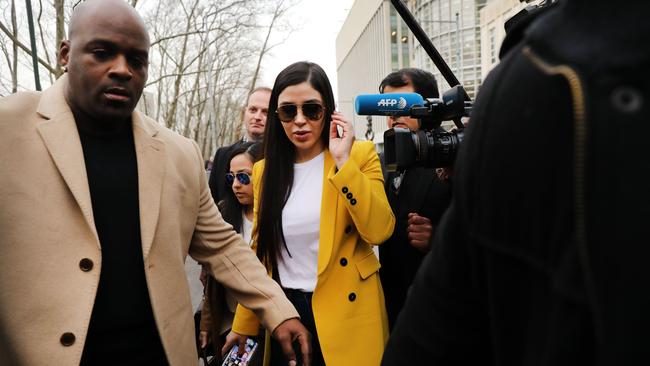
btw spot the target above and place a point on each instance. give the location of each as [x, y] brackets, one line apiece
[542, 258]
[420, 192]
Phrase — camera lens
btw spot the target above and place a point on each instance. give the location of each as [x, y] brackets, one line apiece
[437, 149]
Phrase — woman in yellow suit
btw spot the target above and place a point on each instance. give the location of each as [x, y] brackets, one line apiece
[319, 207]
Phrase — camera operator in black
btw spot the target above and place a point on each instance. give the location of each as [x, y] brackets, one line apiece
[542, 259]
[417, 197]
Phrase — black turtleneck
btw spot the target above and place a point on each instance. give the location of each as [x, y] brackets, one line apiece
[122, 327]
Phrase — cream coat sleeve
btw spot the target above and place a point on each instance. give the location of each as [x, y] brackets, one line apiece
[233, 263]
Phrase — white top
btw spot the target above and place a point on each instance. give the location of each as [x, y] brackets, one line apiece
[246, 228]
[301, 226]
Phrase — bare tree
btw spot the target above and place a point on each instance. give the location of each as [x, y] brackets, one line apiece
[5, 88]
[180, 66]
[19, 51]
[205, 56]
[44, 43]
[59, 8]
[23, 47]
[196, 62]
[14, 63]
[279, 10]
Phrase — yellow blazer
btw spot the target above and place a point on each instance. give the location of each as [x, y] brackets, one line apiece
[348, 301]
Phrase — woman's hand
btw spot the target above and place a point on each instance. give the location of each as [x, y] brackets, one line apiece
[234, 339]
[340, 146]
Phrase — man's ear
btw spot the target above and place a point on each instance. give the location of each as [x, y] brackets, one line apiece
[64, 53]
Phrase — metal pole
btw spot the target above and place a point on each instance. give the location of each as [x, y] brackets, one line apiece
[460, 47]
[426, 44]
[32, 38]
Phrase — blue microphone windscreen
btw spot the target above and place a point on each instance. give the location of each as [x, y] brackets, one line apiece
[393, 104]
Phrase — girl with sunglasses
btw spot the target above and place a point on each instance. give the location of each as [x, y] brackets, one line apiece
[236, 209]
[319, 207]
[237, 206]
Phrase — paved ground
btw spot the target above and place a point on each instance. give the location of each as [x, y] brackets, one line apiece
[192, 270]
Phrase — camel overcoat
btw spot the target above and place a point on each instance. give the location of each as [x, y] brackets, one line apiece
[47, 235]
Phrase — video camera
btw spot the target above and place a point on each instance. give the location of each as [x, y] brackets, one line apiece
[431, 146]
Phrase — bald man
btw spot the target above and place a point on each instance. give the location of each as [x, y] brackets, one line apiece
[100, 207]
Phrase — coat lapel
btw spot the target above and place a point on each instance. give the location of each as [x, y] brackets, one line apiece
[61, 138]
[151, 158]
[328, 214]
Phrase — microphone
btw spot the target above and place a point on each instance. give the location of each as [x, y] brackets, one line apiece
[389, 104]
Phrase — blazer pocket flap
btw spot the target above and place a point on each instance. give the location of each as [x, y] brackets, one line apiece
[368, 265]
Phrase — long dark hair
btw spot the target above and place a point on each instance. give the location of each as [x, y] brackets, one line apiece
[280, 155]
[229, 206]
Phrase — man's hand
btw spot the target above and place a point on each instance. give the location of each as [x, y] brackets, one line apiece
[234, 339]
[443, 174]
[289, 331]
[419, 231]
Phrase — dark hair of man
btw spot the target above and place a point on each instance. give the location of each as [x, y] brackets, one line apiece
[229, 206]
[280, 155]
[424, 83]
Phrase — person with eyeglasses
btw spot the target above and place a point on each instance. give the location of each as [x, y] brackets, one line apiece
[320, 206]
[236, 208]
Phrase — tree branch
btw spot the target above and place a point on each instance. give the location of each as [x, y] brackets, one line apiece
[25, 48]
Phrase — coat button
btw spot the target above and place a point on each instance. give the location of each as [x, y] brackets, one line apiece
[352, 296]
[353, 201]
[67, 339]
[345, 190]
[86, 264]
[349, 196]
[348, 229]
[344, 262]
[627, 100]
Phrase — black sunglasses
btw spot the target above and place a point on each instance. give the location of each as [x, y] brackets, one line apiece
[243, 178]
[288, 112]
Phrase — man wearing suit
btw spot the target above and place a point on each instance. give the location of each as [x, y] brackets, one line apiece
[100, 207]
[257, 107]
[418, 199]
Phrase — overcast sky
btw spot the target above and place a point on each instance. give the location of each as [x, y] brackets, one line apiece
[317, 22]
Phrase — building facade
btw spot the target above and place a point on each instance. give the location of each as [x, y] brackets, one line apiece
[454, 28]
[493, 17]
[373, 42]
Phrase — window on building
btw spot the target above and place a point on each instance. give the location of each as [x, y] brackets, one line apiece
[404, 44]
[493, 46]
[394, 49]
